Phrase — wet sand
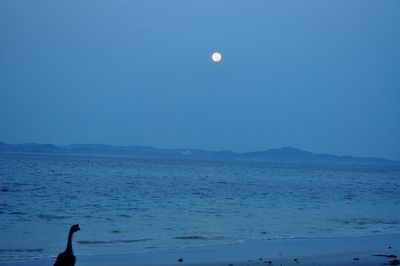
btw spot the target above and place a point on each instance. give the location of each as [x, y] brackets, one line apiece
[335, 251]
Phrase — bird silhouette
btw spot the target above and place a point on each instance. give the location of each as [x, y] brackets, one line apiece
[67, 258]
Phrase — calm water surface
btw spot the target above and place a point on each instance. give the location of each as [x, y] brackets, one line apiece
[126, 205]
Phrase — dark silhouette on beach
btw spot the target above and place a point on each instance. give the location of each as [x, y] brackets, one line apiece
[67, 258]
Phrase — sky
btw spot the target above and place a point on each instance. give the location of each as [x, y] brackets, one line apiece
[323, 76]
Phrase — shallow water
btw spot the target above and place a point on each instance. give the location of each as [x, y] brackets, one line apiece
[126, 205]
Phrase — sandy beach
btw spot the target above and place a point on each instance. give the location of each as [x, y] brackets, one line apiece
[378, 250]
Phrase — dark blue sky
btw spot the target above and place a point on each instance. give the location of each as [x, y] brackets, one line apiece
[318, 75]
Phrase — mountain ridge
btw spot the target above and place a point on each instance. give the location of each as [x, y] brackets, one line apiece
[283, 154]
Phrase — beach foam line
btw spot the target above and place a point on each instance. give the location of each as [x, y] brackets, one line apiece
[96, 242]
[355, 251]
[199, 238]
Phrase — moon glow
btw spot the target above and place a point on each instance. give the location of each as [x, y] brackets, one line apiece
[216, 57]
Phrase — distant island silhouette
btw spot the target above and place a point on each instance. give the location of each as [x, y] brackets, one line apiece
[281, 155]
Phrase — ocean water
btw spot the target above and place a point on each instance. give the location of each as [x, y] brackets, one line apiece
[126, 205]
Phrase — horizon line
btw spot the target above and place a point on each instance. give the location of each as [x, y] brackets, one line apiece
[202, 149]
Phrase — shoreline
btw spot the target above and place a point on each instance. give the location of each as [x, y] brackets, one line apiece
[325, 251]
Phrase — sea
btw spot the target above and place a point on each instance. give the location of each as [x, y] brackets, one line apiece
[129, 205]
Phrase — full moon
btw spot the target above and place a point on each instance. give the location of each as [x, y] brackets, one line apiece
[216, 57]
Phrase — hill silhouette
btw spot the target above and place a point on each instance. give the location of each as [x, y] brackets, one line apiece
[284, 154]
